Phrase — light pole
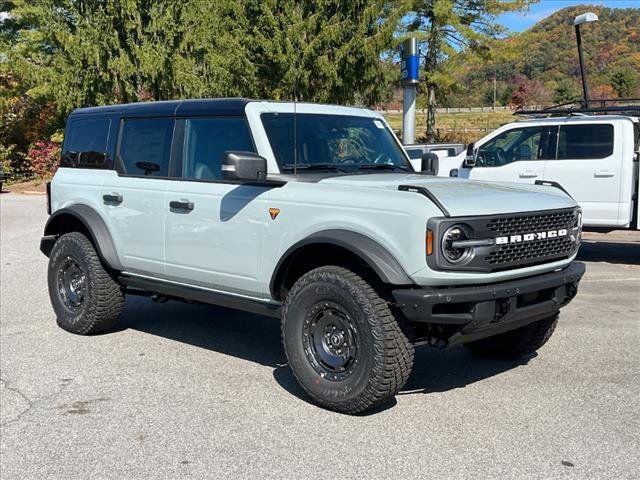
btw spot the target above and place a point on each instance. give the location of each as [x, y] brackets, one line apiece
[579, 20]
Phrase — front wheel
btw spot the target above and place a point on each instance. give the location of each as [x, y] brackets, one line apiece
[84, 296]
[343, 342]
[516, 343]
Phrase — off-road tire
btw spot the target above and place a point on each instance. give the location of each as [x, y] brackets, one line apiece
[516, 343]
[103, 298]
[383, 358]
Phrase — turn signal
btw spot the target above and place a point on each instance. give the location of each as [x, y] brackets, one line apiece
[429, 242]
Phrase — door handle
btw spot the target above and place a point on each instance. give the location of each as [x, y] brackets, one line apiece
[603, 174]
[528, 174]
[112, 198]
[181, 205]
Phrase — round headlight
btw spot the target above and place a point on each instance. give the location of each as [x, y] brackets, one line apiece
[453, 234]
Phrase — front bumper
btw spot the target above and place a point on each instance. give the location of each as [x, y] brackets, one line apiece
[486, 310]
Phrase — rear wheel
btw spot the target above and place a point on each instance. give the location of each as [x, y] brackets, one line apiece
[343, 342]
[84, 296]
[516, 343]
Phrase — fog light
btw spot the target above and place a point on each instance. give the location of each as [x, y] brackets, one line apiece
[453, 234]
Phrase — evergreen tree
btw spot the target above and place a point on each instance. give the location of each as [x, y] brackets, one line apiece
[322, 50]
[624, 80]
[565, 92]
[95, 52]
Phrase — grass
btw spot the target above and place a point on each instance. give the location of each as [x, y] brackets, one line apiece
[457, 127]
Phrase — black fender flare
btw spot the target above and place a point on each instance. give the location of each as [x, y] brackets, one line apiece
[370, 251]
[93, 222]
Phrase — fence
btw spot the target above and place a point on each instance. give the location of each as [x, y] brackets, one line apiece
[465, 109]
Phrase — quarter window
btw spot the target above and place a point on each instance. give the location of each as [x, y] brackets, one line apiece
[206, 140]
[85, 143]
[585, 141]
[145, 147]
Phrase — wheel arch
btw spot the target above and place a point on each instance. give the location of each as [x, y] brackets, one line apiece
[335, 247]
[85, 219]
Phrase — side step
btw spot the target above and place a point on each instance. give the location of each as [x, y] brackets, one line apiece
[203, 295]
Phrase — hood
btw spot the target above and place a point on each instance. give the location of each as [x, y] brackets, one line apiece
[466, 197]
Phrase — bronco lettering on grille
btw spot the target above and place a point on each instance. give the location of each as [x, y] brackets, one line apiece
[528, 237]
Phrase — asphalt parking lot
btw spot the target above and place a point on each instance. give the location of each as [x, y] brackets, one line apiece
[191, 391]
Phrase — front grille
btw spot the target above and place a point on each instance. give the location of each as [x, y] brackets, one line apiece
[535, 251]
[510, 241]
[515, 225]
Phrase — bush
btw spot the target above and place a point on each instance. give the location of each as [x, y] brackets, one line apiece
[44, 157]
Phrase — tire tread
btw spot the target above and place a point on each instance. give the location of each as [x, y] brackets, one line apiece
[394, 351]
[107, 297]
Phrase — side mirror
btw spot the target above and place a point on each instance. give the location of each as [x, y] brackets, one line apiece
[147, 167]
[430, 164]
[244, 166]
[470, 159]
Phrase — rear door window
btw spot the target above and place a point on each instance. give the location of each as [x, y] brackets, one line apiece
[85, 143]
[589, 141]
[145, 147]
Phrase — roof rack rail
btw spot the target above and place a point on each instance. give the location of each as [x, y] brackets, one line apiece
[616, 106]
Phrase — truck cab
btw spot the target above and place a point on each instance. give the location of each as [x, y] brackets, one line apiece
[594, 158]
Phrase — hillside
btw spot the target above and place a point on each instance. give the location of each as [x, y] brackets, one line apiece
[543, 62]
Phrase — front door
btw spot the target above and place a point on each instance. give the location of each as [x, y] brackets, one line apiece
[214, 229]
[515, 155]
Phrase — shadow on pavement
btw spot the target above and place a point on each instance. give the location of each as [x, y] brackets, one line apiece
[257, 339]
[610, 252]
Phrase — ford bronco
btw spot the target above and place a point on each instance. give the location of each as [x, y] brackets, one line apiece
[312, 214]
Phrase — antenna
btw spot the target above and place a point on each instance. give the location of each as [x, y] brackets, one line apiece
[295, 127]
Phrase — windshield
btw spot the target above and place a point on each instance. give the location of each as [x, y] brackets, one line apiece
[333, 142]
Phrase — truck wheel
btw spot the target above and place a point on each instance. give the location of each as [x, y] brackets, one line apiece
[84, 296]
[342, 341]
[516, 343]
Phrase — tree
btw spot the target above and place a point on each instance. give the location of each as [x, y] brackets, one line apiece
[94, 52]
[97, 52]
[565, 92]
[449, 26]
[603, 92]
[624, 81]
[322, 50]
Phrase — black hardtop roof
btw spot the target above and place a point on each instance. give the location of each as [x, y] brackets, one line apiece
[205, 106]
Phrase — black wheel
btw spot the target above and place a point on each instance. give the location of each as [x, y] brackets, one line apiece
[516, 343]
[84, 296]
[342, 341]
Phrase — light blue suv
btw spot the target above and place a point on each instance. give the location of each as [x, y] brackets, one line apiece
[312, 214]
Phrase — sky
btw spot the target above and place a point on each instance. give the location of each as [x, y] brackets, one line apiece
[517, 22]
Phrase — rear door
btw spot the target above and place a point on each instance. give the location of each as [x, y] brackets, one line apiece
[515, 155]
[588, 165]
[133, 194]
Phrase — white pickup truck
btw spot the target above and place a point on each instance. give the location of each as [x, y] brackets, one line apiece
[594, 158]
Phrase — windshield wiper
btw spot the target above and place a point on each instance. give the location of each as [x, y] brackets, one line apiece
[382, 166]
[317, 166]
